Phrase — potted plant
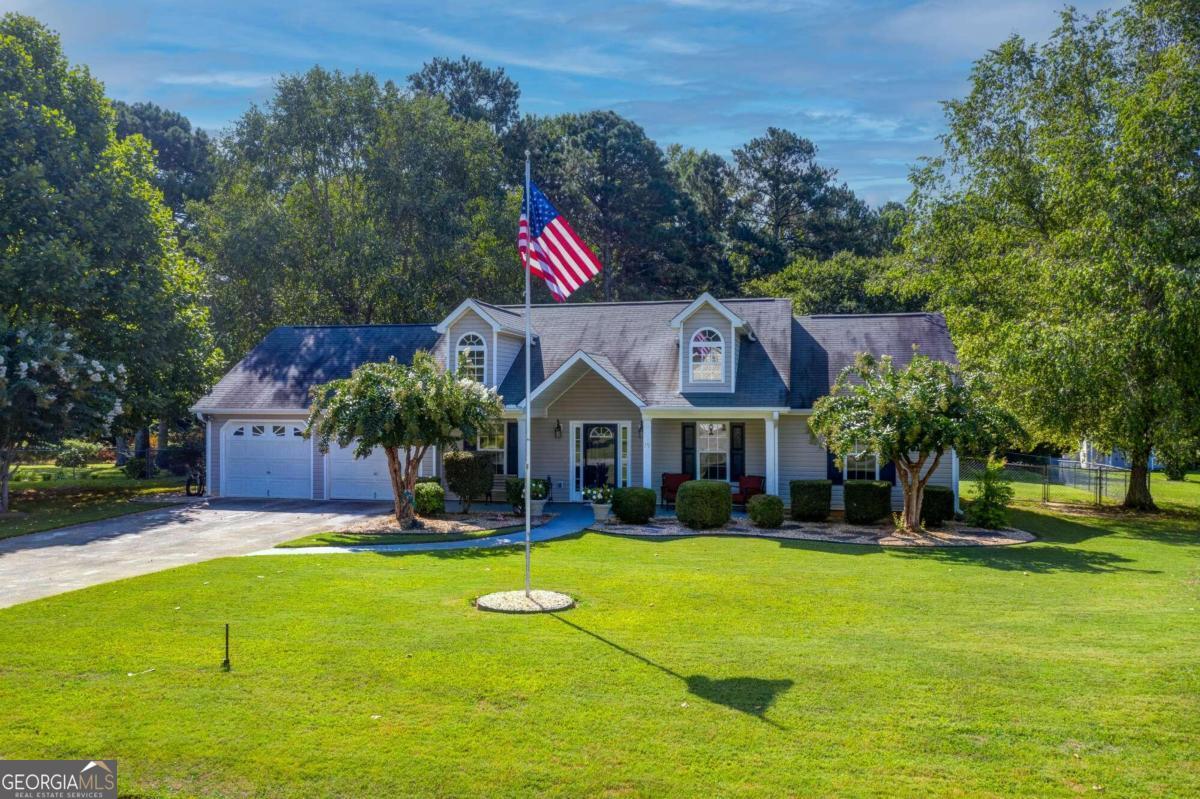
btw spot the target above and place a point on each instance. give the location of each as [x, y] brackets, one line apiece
[601, 499]
[539, 489]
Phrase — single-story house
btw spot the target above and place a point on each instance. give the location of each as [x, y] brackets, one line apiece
[623, 394]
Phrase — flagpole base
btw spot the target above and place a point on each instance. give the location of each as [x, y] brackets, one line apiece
[537, 601]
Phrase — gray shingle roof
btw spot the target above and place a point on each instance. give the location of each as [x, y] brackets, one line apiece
[824, 345]
[279, 372]
[791, 361]
[639, 339]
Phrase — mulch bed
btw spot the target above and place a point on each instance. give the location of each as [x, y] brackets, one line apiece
[385, 523]
[952, 534]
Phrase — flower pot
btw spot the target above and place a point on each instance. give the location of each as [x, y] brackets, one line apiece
[537, 507]
[601, 511]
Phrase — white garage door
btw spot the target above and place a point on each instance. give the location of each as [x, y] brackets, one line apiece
[358, 478]
[267, 459]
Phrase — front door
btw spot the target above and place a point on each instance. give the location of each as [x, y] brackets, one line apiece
[596, 456]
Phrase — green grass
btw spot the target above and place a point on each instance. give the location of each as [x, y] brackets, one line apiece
[46, 506]
[1172, 495]
[345, 539]
[700, 666]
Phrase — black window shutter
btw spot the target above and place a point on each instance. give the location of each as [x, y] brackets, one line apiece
[833, 471]
[688, 449]
[511, 465]
[887, 472]
[737, 451]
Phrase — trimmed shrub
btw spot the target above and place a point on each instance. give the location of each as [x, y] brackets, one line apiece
[470, 475]
[867, 501]
[765, 510]
[135, 468]
[634, 505]
[811, 500]
[514, 491]
[429, 499]
[989, 507]
[704, 504]
[75, 453]
[431, 479]
[937, 506]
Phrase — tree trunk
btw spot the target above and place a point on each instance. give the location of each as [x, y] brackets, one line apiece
[401, 490]
[162, 457]
[5, 469]
[1137, 493]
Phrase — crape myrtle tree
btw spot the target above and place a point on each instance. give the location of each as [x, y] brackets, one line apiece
[1059, 229]
[405, 410]
[912, 416]
[49, 391]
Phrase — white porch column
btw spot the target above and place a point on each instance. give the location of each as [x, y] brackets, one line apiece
[772, 437]
[521, 446]
[954, 478]
[647, 452]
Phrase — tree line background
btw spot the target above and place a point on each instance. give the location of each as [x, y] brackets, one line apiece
[1058, 228]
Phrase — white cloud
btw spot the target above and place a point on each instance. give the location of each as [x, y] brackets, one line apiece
[239, 80]
[967, 28]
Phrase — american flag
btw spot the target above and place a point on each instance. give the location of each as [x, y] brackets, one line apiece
[552, 250]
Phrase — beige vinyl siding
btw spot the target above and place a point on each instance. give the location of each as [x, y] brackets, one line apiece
[706, 316]
[591, 399]
[801, 458]
[470, 322]
[507, 348]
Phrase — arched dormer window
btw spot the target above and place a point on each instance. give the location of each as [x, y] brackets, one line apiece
[708, 356]
[471, 356]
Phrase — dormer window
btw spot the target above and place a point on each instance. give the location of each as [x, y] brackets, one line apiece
[472, 357]
[708, 356]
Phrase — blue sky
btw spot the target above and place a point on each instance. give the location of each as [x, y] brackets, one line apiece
[863, 79]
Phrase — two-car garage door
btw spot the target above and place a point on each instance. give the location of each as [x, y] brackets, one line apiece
[271, 458]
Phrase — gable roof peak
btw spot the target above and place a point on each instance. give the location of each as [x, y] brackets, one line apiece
[712, 302]
[499, 318]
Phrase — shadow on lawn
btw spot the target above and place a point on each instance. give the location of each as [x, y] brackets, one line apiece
[1034, 558]
[750, 695]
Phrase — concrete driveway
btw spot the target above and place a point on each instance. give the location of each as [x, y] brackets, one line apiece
[42, 564]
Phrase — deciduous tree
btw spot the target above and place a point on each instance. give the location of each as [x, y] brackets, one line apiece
[911, 416]
[405, 410]
[1059, 229]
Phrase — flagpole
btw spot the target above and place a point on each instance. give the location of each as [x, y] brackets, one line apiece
[528, 404]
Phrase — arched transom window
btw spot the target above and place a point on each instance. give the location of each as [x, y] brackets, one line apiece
[472, 357]
[708, 356]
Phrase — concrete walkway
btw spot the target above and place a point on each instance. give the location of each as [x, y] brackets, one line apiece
[570, 519]
[55, 561]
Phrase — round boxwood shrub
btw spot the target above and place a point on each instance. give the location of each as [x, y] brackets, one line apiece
[867, 501]
[811, 500]
[634, 505]
[135, 468]
[766, 510]
[429, 499]
[704, 504]
[937, 506]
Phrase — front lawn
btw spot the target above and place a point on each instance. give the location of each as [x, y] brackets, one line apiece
[691, 667]
[63, 504]
[351, 539]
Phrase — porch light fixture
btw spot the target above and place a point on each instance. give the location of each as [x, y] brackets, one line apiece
[557, 429]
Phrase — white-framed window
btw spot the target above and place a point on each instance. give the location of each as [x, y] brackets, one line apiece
[492, 442]
[712, 450]
[864, 466]
[707, 356]
[471, 357]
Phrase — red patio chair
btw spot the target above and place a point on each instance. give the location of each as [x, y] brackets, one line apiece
[670, 486]
[748, 486]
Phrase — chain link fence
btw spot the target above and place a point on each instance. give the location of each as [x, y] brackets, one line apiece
[1046, 479]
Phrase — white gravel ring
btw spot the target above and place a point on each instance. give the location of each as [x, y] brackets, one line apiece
[517, 602]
